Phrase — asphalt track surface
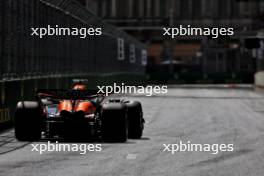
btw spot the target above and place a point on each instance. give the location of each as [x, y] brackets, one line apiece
[198, 115]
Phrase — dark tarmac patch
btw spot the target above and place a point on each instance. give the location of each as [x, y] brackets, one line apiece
[8, 143]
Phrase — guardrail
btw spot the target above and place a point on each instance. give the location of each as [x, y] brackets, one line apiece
[22, 55]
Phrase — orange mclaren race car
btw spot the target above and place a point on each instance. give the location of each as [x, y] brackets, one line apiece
[78, 114]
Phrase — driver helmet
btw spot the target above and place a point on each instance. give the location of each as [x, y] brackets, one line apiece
[79, 86]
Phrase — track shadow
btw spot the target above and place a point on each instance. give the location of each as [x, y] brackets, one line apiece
[143, 139]
[79, 141]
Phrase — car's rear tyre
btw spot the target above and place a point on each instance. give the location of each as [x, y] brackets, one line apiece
[135, 119]
[114, 122]
[27, 121]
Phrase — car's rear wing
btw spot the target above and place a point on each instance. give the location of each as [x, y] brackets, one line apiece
[68, 94]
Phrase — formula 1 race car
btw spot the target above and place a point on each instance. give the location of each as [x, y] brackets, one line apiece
[78, 115]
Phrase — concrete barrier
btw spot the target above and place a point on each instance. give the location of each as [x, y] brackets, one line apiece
[259, 81]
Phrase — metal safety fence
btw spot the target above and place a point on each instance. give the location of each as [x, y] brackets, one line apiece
[22, 55]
